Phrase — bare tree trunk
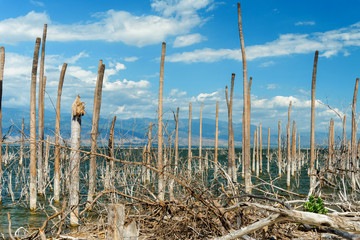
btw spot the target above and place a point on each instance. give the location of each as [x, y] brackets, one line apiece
[254, 153]
[331, 153]
[21, 160]
[353, 136]
[161, 184]
[40, 153]
[216, 140]
[148, 154]
[268, 151]
[200, 140]
[171, 184]
[94, 131]
[279, 149]
[260, 148]
[293, 149]
[288, 149]
[57, 136]
[110, 151]
[77, 110]
[299, 154]
[189, 143]
[46, 160]
[312, 133]
[257, 152]
[2, 64]
[246, 123]
[231, 143]
[32, 187]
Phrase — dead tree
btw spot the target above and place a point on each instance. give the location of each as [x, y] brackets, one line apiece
[246, 123]
[57, 136]
[94, 131]
[231, 142]
[2, 64]
[33, 192]
[160, 163]
[40, 152]
[77, 110]
[312, 133]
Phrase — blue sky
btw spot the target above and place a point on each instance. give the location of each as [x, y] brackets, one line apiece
[203, 49]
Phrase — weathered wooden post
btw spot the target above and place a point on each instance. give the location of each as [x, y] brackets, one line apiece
[94, 131]
[46, 160]
[354, 161]
[176, 154]
[57, 136]
[189, 143]
[116, 219]
[268, 151]
[77, 110]
[279, 149]
[331, 149]
[216, 140]
[21, 160]
[2, 64]
[254, 153]
[312, 133]
[260, 148]
[200, 139]
[160, 163]
[33, 192]
[110, 151]
[293, 149]
[231, 144]
[257, 152]
[246, 122]
[40, 153]
[148, 157]
[288, 149]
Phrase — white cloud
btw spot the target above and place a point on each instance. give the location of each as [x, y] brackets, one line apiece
[187, 40]
[271, 86]
[177, 93]
[176, 18]
[328, 43]
[75, 58]
[37, 3]
[267, 64]
[131, 59]
[305, 23]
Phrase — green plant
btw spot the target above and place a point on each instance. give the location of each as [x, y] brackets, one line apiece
[315, 206]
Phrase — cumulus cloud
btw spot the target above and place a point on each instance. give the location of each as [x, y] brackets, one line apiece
[187, 40]
[305, 23]
[131, 59]
[329, 43]
[174, 18]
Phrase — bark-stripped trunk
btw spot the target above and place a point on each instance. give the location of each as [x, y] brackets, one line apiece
[94, 131]
[57, 136]
[160, 163]
[40, 153]
[2, 64]
[246, 122]
[77, 110]
[216, 140]
[231, 143]
[312, 133]
[354, 161]
[288, 149]
[32, 187]
[189, 143]
[279, 149]
[200, 139]
[268, 151]
[110, 151]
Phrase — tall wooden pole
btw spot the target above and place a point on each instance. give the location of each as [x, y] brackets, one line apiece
[268, 151]
[94, 131]
[312, 133]
[354, 161]
[288, 148]
[2, 65]
[246, 123]
[110, 151]
[32, 186]
[293, 149]
[21, 160]
[77, 110]
[40, 153]
[279, 149]
[200, 139]
[148, 158]
[216, 139]
[161, 184]
[260, 148]
[231, 143]
[57, 136]
[189, 143]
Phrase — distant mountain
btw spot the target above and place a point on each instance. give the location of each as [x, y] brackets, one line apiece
[134, 130]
